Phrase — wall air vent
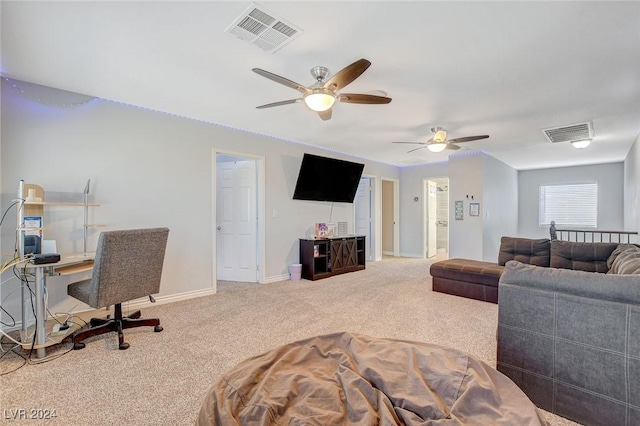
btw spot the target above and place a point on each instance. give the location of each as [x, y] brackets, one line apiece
[262, 28]
[573, 132]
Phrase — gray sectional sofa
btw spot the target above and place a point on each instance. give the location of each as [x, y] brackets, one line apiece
[568, 322]
[479, 280]
[569, 338]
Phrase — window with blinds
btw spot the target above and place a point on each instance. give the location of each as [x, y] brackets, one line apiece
[572, 206]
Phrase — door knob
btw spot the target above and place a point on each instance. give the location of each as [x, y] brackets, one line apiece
[219, 228]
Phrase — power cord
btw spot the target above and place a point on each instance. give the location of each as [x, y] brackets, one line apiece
[8, 208]
[14, 262]
[37, 361]
[24, 280]
[13, 320]
[17, 342]
[13, 351]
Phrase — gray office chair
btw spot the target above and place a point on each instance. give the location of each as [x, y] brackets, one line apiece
[127, 266]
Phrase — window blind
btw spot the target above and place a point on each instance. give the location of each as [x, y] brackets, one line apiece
[573, 205]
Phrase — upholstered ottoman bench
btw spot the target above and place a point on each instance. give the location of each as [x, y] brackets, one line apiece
[467, 278]
[476, 279]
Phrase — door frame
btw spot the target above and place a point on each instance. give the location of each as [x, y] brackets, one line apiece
[373, 246]
[260, 207]
[396, 216]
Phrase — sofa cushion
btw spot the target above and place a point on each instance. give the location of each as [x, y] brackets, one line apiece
[589, 257]
[525, 250]
[624, 260]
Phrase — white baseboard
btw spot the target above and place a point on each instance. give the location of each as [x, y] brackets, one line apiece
[161, 300]
[419, 256]
[276, 278]
[134, 305]
[390, 253]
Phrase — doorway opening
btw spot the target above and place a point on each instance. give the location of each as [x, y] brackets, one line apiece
[238, 218]
[436, 218]
[390, 217]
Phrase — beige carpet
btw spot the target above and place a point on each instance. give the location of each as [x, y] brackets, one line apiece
[162, 378]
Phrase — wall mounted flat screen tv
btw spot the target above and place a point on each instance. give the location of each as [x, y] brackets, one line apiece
[327, 179]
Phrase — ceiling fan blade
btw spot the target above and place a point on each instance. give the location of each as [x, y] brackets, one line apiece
[360, 98]
[468, 138]
[452, 146]
[415, 143]
[281, 80]
[275, 104]
[411, 150]
[325, 115]
[347, 75]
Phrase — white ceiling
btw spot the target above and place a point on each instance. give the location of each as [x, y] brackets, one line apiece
[506, 69]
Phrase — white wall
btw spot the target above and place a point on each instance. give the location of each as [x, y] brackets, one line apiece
[632, 189]
[412, 213]
[610, 194]
[500, 208]
[466, 181]
[479, 178]
[152, 169]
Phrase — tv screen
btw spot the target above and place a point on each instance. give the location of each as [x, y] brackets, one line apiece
[327, 179]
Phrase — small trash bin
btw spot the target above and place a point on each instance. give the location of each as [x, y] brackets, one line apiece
[295, 271]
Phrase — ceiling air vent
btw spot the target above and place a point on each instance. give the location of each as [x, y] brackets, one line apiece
[573, 132]
[262, 28]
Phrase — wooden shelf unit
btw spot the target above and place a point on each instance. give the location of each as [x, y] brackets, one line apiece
[36, 207]
[323, 258]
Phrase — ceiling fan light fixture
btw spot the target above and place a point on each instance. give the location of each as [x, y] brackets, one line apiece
[440, 137]
[581, 143]
[320, 100]
[437, 146]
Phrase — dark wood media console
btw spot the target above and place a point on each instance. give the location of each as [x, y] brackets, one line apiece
[326, 257]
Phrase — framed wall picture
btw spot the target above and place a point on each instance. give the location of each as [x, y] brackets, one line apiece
[474, 209]
[459, 210]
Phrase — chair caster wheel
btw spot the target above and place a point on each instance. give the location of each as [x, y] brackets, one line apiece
[123, 346]
[158, 328]
[78, 345]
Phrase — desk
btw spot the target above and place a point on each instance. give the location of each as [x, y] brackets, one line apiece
[68, 264]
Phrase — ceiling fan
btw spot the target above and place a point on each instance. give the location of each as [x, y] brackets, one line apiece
[439, 142]
[321, 95]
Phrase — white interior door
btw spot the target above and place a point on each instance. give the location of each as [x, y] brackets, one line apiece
[364, 214]
[432, 221]
[236, 213]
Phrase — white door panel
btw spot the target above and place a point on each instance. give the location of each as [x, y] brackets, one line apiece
[364, 214]
[236, 212]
